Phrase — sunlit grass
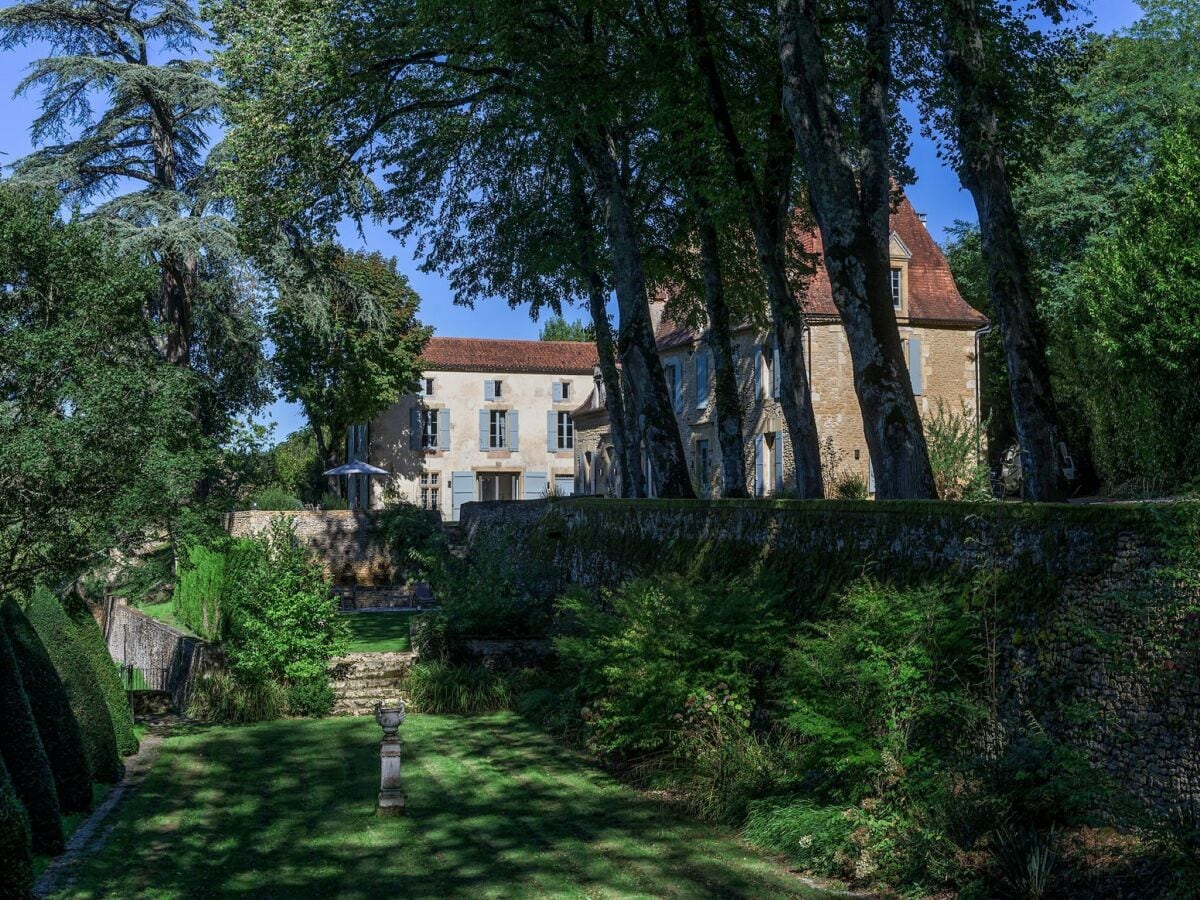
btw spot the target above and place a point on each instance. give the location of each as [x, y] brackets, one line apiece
[378, 632]
[495, 809]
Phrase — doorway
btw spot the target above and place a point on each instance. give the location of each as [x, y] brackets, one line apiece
[498, 485]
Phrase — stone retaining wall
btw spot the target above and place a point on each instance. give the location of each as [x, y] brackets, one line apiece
[1099, 629]
[170, 659]
[343, 539]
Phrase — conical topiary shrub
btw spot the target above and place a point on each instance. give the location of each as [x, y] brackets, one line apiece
[51, 707]
[16, 852]
[108, 673]
[55, 629]
[25, 758]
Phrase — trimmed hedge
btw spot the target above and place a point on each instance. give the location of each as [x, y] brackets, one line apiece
[25, 758]
[108, 673]
[55, 629]
[16, 851]
[51, 707]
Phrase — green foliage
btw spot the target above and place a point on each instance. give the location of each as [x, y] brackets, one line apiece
[651, 650]
[98, 436]
[82, 682]
[815, 837]
[196, 602]
[415, 539]
[297, 466]
[953, 440]
[274, 498]
[282, 622]
[438, 687]
[850, 486]
[330, 500]
[51, 707]
[106, 672]
[25, 758]
[312, 697]
[557, 328]
[226, 698]
[16, 875]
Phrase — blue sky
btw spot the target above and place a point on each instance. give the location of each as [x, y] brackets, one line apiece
[936, 193]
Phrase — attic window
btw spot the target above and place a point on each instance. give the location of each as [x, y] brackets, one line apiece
[896, 285]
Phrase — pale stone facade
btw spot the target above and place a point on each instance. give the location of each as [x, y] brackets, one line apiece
[484, 427]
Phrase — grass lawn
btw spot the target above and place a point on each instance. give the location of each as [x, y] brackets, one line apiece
[375, 632]
[164, 612]
[495, 809]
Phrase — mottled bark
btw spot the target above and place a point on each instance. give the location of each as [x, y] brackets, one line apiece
[852, 215]
[649, 412]
[767, 209]
[632, 478]
[982, 171]
[727, 405]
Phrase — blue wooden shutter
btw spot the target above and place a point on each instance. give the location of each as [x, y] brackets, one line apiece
[489, 390]
[677, 383]
[558, 392]
[484, 442]
[514, 431]
[758, 363]
[462, 490]
[914, 364]
[701, 380]
[414, 428]
[779, 462]
[551, 431]
[535, 485]
[775, 374]
[759, 482]
[444, 429]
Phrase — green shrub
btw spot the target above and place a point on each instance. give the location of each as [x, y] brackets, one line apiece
[850, 486]
[56, 724]
[816, 838]
[274, 498]
[414, 537]
[438, 687]
[330, 500]
[313, 698]
[75, 668]
[196, 601]
[953, 440]
[223, 697]
[107, 673]
[644, 652]
[16, 873]
[25, 758]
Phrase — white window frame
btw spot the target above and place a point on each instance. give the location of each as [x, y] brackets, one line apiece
[565, 390]
[897, 284]
[498, 429]
[429, 429]
[426, 389]
[565, 427]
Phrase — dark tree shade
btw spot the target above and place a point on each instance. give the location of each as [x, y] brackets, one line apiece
[83, 689]
[16, 873]
[51, 707]
[25, 758]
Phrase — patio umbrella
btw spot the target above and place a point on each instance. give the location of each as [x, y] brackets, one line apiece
[356, 467]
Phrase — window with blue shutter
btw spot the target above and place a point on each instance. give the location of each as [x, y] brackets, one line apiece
[557, 392]
[484, 439]
[414, 428]
[489, 390]
[513, 432]
[914, 365]
[551, 431]
[775, 373]
[778, 454]
[760, 484]
[758, 367]
[443, 429]
[701, 380]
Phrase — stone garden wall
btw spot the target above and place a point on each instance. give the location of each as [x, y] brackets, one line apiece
[1096, 607]
[342, 538]
[170, 660]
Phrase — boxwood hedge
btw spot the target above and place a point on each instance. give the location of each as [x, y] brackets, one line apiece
[51, 707]
[25, 758]
[108, 674]
[79, 678]
[16, 874]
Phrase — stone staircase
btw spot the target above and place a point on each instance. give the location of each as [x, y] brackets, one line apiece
[362, 679]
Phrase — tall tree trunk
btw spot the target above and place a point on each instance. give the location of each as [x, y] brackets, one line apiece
[982, 171]
[795, 393]
[727, 404]
[856, 249]
[649, 410]
[178, 273]
[631, 476]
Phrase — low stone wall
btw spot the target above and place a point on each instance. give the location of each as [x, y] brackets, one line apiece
[343, 539]
[1098, 634]
[170, 659]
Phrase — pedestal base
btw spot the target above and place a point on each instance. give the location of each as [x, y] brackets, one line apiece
[390, 803]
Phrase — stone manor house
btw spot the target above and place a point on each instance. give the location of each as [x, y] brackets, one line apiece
[510, 420]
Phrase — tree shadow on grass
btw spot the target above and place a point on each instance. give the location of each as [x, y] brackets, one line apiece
[495, 809]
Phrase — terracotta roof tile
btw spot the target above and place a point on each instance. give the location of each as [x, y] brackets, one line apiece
[490, 355]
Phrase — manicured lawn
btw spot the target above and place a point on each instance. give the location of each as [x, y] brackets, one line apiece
[375, 632]
[495, 809]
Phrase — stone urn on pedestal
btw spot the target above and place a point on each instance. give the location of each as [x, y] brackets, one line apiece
[389, 714]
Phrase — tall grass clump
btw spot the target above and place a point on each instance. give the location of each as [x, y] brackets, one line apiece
[196, 601]
[438, 687]
[225, 698]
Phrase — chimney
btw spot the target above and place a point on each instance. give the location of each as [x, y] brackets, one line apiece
[658, 303]
[924, 218]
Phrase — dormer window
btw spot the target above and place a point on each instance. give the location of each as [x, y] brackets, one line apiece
[897, 285]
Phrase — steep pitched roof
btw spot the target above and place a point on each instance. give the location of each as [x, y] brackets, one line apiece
[932, 294]
[490, 355]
